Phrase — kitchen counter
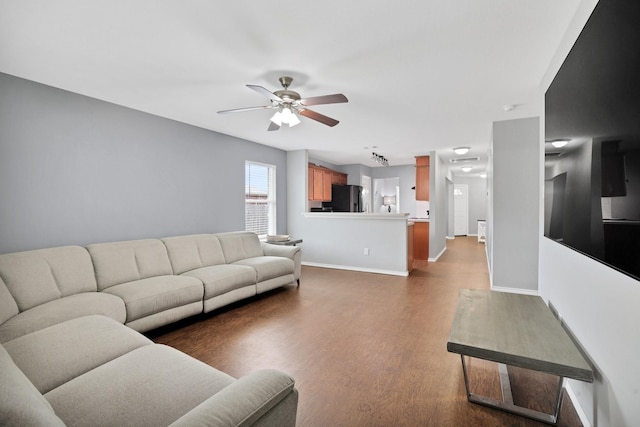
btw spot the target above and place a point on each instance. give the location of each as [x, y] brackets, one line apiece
[372, 242]
[356, 215]
[419, 219]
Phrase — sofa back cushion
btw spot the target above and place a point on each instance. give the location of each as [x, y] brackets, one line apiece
[187, 253]
[239, 245]
[120, 262]
[8, 306]
[39, 276]
[21, 404]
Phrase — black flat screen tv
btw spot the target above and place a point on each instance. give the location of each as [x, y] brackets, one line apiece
[592, 184]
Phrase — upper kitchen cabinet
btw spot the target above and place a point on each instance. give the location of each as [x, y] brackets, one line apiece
[422, 178]
[320, 180]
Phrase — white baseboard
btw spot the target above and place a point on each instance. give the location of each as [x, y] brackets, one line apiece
[515, 290]
[451, 237]
[437, 256]
[352, 268]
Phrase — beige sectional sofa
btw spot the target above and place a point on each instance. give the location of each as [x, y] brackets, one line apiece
[67, 357]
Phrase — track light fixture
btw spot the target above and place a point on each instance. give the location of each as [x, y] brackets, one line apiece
[379, 159]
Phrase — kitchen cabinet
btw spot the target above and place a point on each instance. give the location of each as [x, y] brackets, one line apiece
[421, 240]
[422, 178]
[338, 178]
[320, 181]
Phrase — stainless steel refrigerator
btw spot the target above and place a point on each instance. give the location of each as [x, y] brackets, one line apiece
[346, 198]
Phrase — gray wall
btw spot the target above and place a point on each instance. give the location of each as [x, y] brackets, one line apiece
[515, 192]
[477, 200]
[438, 206]
[76, 170]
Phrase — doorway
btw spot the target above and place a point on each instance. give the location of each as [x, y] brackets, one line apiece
[450, 210]
[386, 195]
[366, 193]
[461, 209]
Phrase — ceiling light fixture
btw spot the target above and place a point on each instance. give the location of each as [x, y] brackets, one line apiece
[466, 168]
[379, 159]
[461, 150]
[285, 116]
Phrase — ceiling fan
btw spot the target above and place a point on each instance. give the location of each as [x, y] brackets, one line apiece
[290, 104]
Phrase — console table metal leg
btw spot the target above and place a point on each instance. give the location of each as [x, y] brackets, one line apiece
[506, 404]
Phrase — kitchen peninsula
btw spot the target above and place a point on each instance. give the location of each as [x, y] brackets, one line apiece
[373, 242]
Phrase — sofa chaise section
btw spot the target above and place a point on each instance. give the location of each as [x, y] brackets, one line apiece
[244, 248]
[101, 372]
[55, 355]
[44, 287]
[201, 256]
[140, 273]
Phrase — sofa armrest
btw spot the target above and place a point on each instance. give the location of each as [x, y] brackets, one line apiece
[292, 252]
[246, 401]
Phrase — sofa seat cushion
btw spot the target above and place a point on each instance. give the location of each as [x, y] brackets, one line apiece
[57, 354]
[60, 310]
[20, 402]
[153, 385]
[220, 279]
[155, 294]
[268, 267]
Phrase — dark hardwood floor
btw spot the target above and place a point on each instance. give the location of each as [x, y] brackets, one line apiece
[365, 349]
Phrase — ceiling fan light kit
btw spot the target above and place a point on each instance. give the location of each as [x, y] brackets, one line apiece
[290, 104]
[285, 116]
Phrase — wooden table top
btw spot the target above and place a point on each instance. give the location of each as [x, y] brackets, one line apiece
[517, 330]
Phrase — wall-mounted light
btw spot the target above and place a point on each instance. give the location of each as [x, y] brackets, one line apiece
[379, 159]
[461, 150]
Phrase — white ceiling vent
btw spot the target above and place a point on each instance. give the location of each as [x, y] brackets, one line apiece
[465, 160]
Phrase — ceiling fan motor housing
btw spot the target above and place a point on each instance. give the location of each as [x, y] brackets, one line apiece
[287, 95]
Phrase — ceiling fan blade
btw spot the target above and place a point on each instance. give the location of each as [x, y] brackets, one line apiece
[272, 127]
[265, 92]
[239, 110]
[318, 117]
[325, 99]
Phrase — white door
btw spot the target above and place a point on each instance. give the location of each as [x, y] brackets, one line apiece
[366, 193]
[461, 209]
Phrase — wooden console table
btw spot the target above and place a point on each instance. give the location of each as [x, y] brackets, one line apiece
[517, 330]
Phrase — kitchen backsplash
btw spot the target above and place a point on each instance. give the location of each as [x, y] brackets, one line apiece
[422, 209]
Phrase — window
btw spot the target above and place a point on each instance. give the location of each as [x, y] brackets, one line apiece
[260, 198]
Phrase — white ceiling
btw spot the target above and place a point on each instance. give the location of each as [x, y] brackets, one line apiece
[420, 75]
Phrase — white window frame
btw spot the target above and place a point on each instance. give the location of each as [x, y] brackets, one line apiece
[270, 199]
